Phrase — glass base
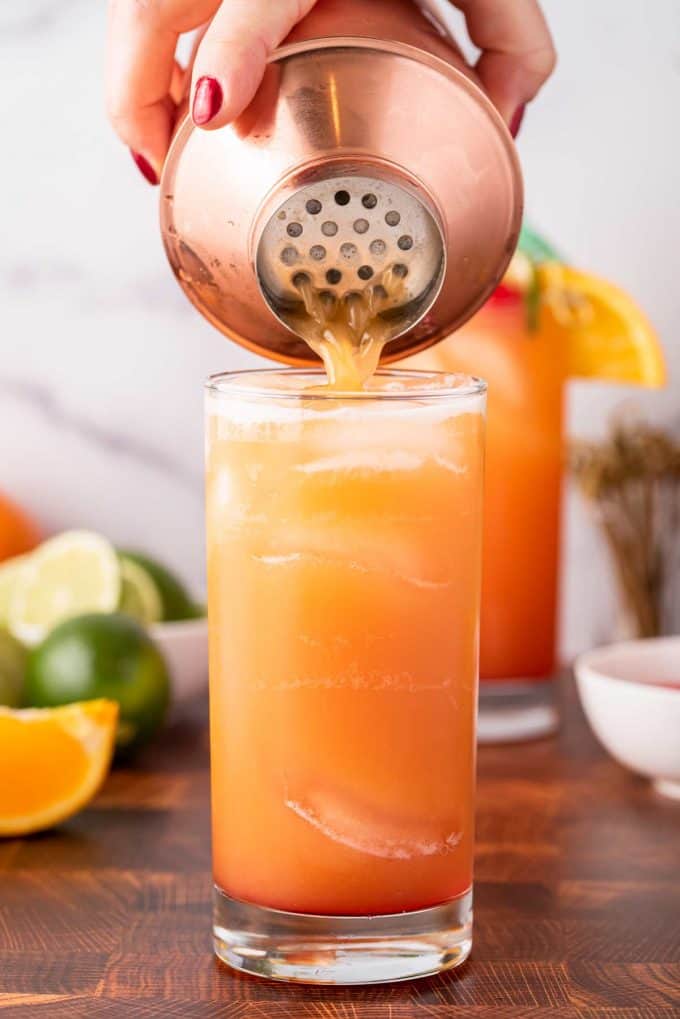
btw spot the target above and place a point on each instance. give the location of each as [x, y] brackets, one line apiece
[511, 710]
[341, 949]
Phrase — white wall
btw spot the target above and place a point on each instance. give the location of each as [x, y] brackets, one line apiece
[601, 155]
[102, 359]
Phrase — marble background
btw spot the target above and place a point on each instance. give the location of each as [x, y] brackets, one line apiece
[102, 359]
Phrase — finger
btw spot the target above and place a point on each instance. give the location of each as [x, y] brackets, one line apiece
[231, 59]
[517, 50]
[141, 70]
[196, 40]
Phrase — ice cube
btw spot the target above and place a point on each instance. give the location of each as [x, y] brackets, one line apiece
[360, 826]
[363, 461]
[220, 489]
[360, 548]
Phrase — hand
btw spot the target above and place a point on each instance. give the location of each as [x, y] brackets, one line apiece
[145, 83]
[517, 55]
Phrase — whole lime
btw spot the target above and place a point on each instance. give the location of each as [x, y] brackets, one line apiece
[175, 599]
[102, 655]
[12, 668]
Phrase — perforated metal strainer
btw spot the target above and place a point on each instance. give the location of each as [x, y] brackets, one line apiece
[343, 233]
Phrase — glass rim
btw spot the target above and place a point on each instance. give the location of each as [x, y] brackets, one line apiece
[226, 383]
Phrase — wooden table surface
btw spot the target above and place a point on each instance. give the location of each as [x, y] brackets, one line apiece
[577, 900]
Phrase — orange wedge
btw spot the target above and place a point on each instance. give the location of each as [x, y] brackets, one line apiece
[607, 334]
[52, 762]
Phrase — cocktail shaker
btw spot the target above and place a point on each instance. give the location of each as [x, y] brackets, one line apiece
[368, 146]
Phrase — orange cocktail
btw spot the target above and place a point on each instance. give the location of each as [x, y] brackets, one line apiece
[526, 371]
[344, 537]
[546, 323]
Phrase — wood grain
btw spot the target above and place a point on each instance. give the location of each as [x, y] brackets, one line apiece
[577, 900]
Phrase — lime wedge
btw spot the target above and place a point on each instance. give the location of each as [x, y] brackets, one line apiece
[74, 573]
[12, 669]
[139, 596]
[175, 599]
[9, 575]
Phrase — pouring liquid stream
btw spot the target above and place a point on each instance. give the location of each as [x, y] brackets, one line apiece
[348, 333]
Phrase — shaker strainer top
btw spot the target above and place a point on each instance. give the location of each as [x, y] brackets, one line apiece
[355, 156]
[342, 233]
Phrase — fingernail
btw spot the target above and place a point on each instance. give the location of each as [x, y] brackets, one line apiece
[207, 100]
[145, 167]
[517, 119]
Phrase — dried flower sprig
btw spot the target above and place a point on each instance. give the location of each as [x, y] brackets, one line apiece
[632, 481]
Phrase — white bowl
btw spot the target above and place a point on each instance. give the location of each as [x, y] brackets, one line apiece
[184, 645]
[636, 719]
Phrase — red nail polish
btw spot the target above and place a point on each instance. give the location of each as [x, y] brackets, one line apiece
[517, 119]
[145, 167]
[207, 100]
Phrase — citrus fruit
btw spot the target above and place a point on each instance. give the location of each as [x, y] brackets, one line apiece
[608, 335]
[75, 572]
[108, 656]
[604, 332]
[18, 533]
[52, 762]
[175, 599]
[9, 574]
[12, 669]
[139, 596]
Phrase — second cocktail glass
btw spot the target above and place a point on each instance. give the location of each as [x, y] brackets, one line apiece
[344, 549]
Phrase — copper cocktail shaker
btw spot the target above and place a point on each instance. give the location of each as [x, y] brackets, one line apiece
[367, 145]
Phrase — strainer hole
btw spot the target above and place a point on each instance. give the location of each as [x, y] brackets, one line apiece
[364, 272]
[300, 278]
[400, 270]
[342, 197]
[313, 206]
[369, 201]
[329, 228]
[333, 276]
[361, 225]
[405, 242]
[317, 252]
[328, 301]
[289, 255]
[377, 247]
[348, 250]
[294, 229]
[380, 291]
[392, 217]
